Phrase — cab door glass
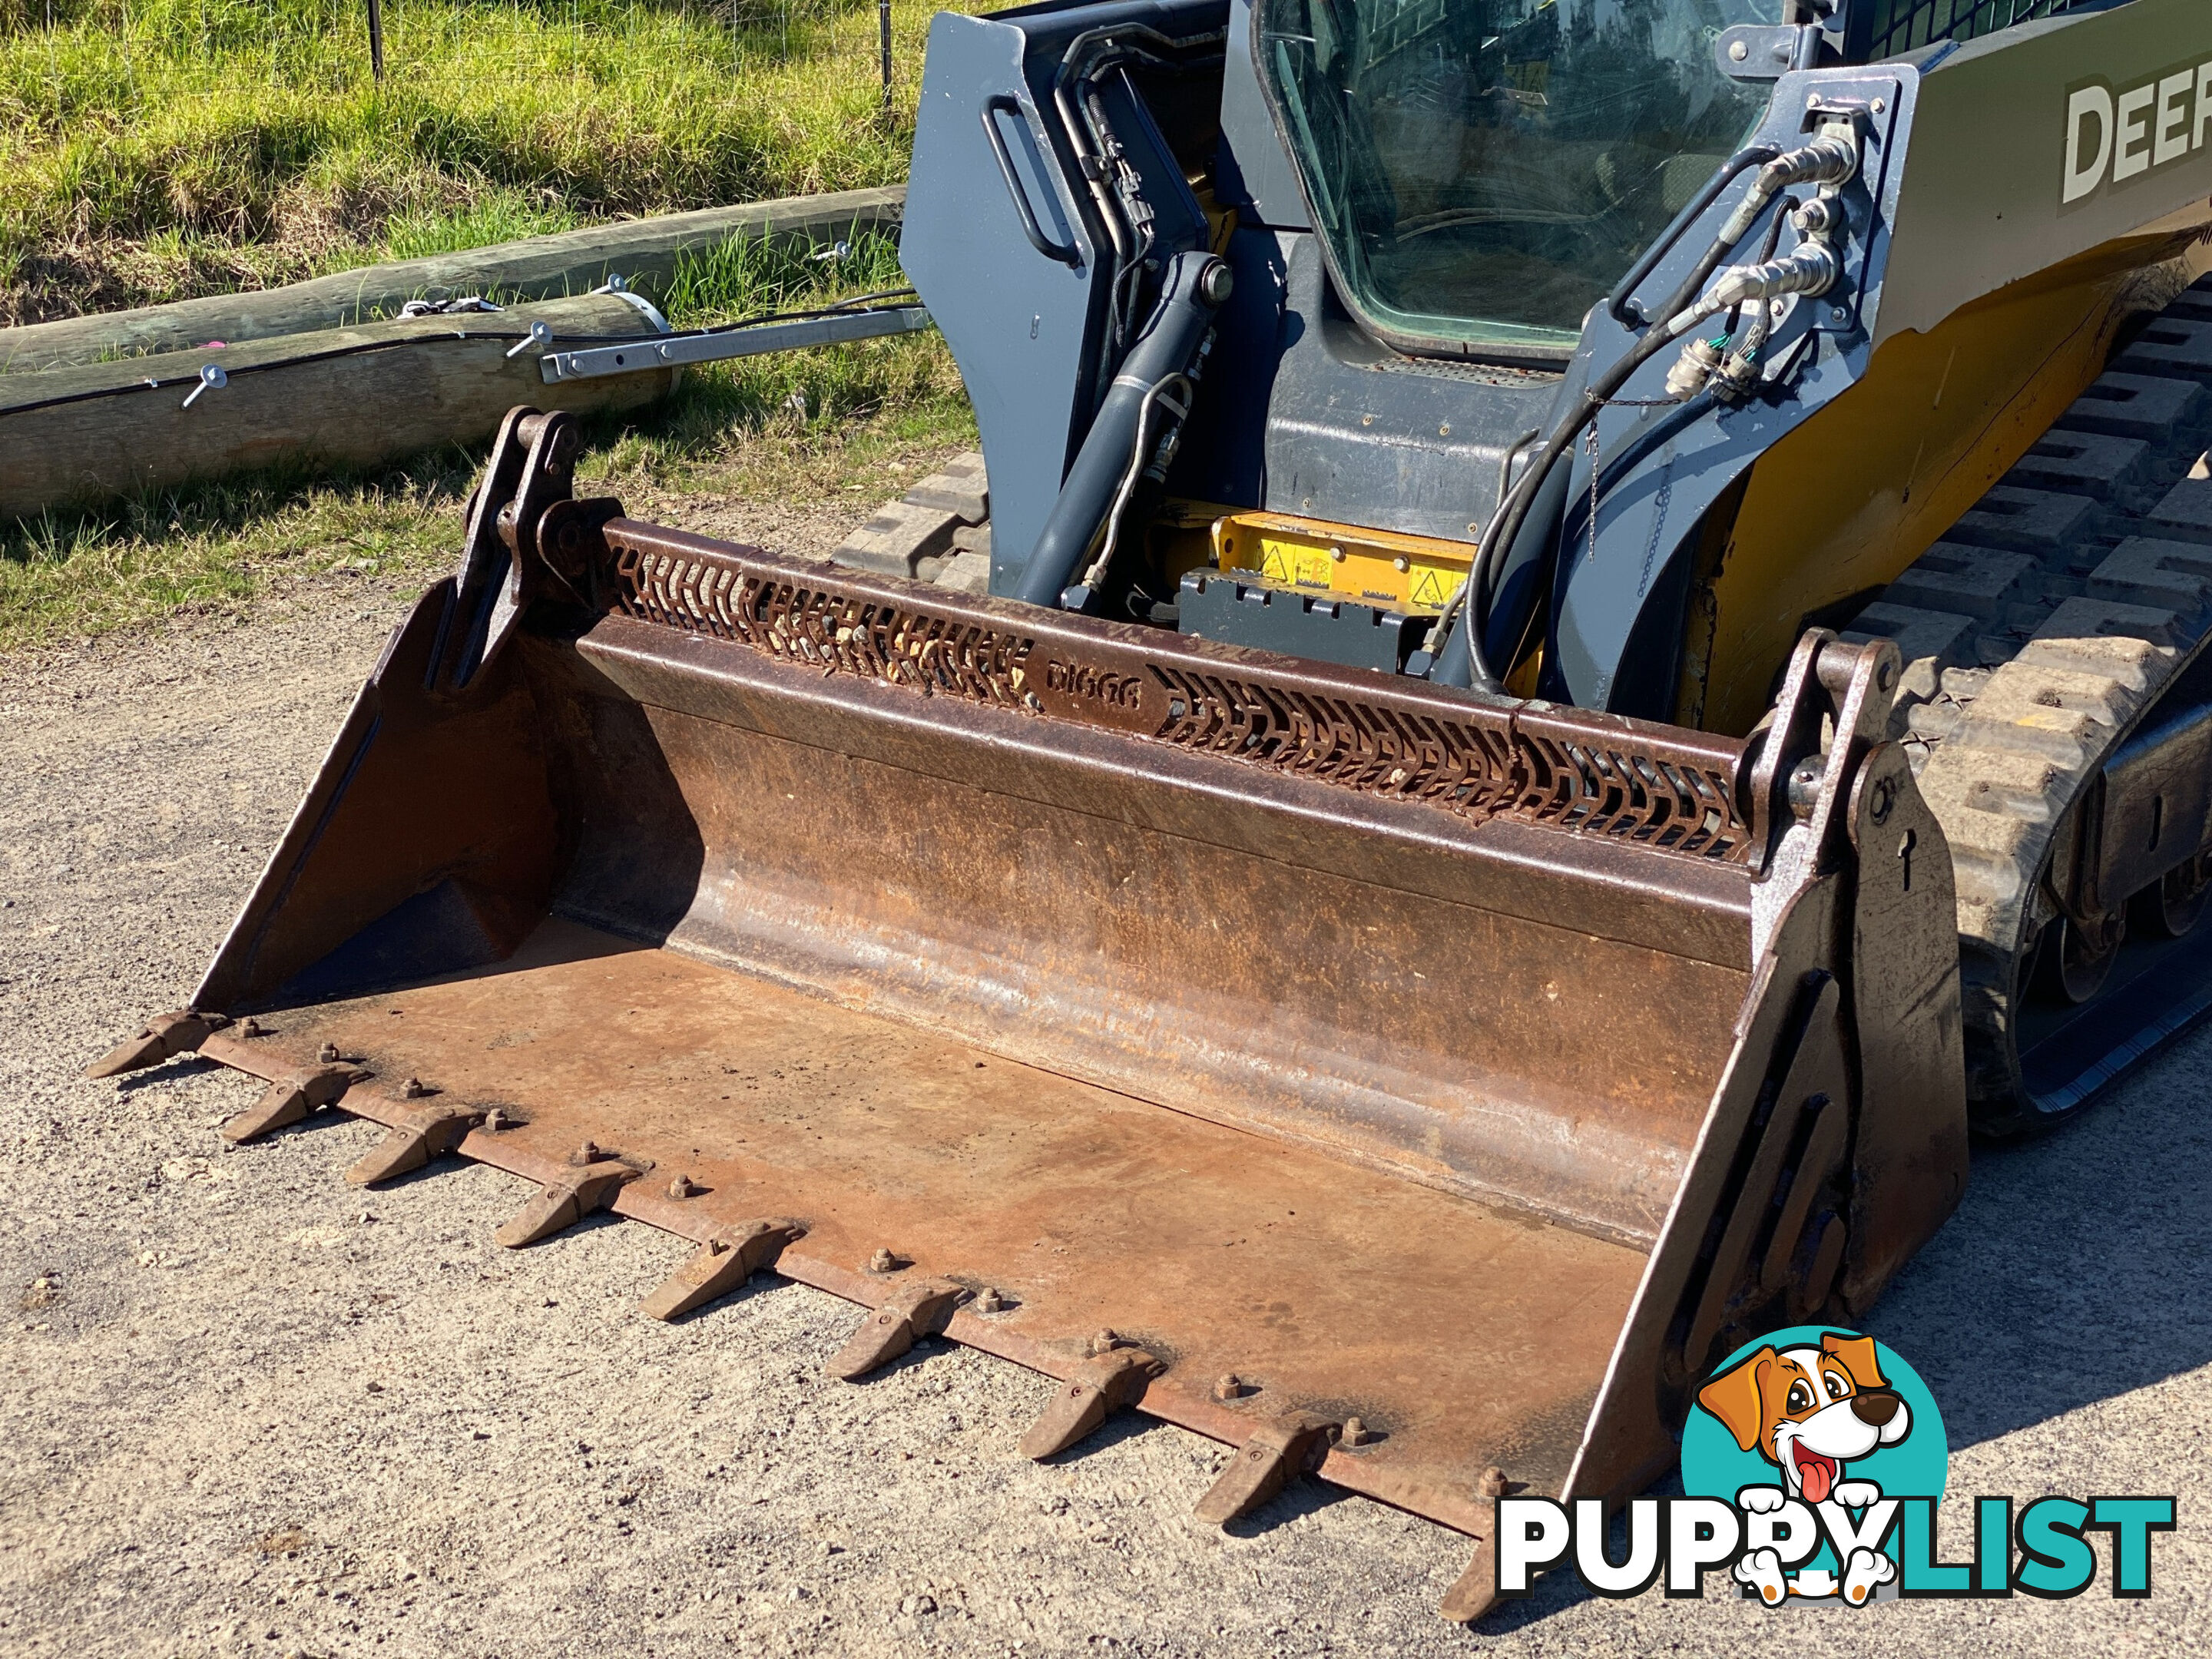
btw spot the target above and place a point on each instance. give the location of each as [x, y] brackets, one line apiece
[1483, 171]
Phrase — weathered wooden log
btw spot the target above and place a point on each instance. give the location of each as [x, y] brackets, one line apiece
[341, 397]
[643, 252]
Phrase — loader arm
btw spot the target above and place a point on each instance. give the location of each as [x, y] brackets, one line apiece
[1380, 1078]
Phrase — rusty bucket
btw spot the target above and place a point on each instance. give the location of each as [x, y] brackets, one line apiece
[1411, 1088]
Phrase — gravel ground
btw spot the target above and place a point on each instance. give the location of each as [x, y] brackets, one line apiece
[252, 1411]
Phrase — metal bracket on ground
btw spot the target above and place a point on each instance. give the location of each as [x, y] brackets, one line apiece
[163, 1037]
[1475, 1590]
[427, 1133]
[1291, 1445]
[291, 1099]
[561, 1204]
[1111, 1383]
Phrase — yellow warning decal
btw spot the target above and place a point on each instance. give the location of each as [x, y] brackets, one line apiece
[1375, 566]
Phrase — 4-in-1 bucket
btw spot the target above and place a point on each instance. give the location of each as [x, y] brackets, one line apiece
[1390, 1082]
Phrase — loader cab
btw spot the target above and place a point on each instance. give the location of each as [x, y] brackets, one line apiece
[1448, 192]
[1426, 210]
[1419, 204]
[1479, 175]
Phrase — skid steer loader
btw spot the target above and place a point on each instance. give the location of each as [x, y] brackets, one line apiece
[1592, 651]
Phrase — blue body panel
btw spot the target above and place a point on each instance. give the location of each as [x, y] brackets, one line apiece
[1616, 625]
[1299, 410]
[1020, 324]
[1024, 327]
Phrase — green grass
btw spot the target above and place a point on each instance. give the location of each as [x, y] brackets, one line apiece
[150, 149]
[500, 215]
[157, 149]
[850, 425]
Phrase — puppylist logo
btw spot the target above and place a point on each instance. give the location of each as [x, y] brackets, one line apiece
[1812, 1466]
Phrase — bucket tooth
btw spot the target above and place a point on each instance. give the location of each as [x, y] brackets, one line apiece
[428, 1133]
[720, 1266]
[1290, 1445]
[1100, 1387]
[917, 1312]
[290, 1098]
[1476, 1591]
[583, 1191]
[162, 1037]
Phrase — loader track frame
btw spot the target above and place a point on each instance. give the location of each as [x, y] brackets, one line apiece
[2061, 623]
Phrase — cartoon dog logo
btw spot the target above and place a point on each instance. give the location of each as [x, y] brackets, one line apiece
[1810, 1411]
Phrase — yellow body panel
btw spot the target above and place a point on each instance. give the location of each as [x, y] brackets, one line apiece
[1179, 536]
[1414, 574]
[1851, 497]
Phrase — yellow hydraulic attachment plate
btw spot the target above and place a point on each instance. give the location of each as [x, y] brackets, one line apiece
[1413, 574]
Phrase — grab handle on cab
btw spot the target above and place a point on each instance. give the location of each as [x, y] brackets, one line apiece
[1006, 103]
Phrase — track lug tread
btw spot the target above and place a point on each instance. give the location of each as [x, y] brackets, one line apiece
[2036, 633]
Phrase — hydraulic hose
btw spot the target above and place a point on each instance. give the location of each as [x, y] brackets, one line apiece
[1811, 269]
[1098, 151]
[1824, 161]
[1173, 395]
[1620, 305]
[1463, 645]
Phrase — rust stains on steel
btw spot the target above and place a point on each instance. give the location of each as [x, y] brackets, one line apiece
[1240, 984]
[1277, 1453]
[1672, 790]
[1165, 1230]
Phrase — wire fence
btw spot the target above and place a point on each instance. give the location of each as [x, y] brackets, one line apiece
[388, 35]
[157, 149]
